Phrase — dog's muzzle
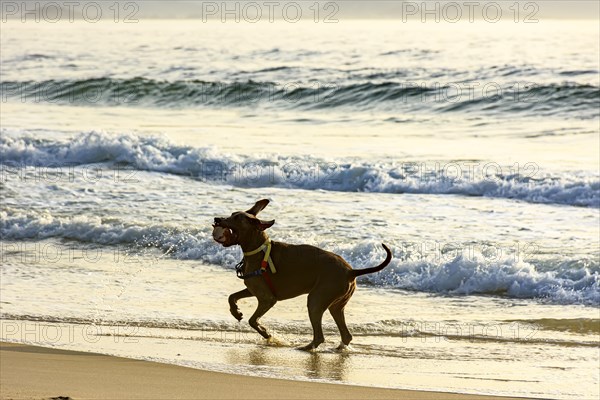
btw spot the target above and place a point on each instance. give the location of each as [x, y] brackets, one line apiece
[223, 235]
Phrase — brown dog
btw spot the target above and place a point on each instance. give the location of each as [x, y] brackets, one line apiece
[299, 269]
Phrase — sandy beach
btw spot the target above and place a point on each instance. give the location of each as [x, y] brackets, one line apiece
[31, 372]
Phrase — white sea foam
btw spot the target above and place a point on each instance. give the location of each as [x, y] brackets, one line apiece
[566, 283]
[159, 154]
[477, 273]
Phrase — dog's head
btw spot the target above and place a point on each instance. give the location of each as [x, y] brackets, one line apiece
[241, 224]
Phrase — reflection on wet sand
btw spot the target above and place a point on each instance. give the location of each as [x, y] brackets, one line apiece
[330, 366]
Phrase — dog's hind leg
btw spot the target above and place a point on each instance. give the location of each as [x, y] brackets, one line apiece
[337, 312]
[264, 305]
[233, 299]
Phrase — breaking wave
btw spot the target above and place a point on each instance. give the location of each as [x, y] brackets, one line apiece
[159, 154]
[460, 274]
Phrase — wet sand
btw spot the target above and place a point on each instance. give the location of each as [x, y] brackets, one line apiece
[31, 372]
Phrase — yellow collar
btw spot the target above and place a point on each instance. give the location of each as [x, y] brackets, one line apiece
[266, 247]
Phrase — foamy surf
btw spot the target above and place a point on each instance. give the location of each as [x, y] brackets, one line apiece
[459, 273]
[159, 154]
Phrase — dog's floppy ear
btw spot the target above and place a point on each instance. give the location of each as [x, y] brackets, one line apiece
[262, 225]
[258, 207]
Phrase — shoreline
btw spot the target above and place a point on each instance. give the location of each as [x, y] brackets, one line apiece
[28, 372]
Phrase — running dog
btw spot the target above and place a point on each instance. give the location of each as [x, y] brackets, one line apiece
[274, 271]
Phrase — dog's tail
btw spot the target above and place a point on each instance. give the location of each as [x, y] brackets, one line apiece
[388, 258]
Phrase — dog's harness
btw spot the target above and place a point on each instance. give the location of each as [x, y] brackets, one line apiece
[266, 261]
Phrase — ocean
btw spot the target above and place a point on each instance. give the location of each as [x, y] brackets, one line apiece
[472, 150]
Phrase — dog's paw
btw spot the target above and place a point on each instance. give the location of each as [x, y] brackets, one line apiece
[276, 342]
[236, 313]
[343, 348]
[308, 347]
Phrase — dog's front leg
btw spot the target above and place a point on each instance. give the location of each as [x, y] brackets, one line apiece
[264, 305]
[316, 308]
[233, 299]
